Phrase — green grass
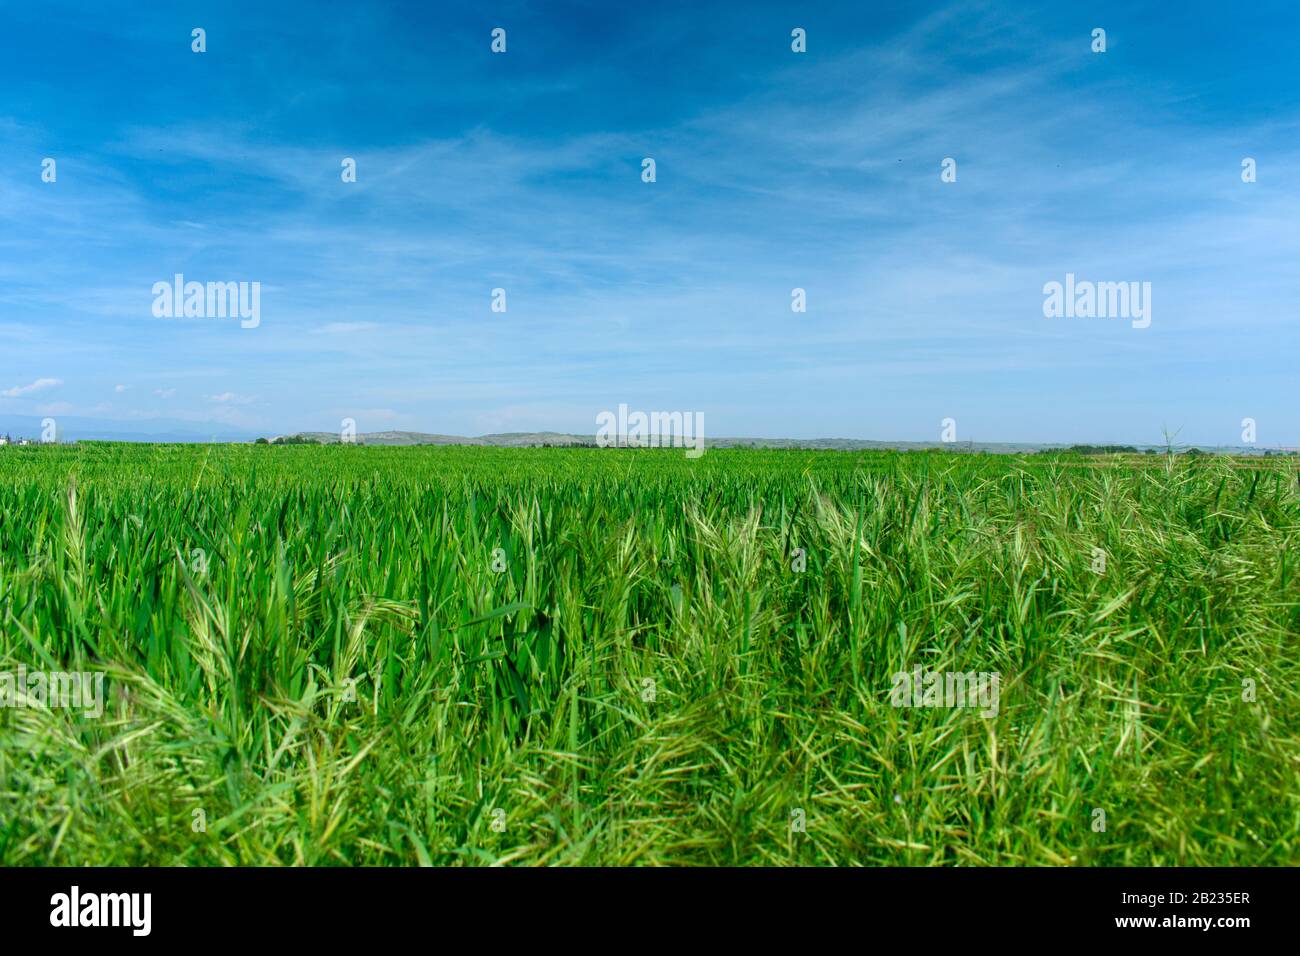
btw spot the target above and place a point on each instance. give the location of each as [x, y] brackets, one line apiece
[526, 690]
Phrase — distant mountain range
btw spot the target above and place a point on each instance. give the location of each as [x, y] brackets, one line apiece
[537, 439]
[77, 428]
[502, 440]
[72, 428]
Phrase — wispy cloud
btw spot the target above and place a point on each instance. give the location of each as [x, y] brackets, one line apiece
[40, 385]
[775, 171]
[345, 328]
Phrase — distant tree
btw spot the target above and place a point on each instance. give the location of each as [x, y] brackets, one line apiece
[1103, 449]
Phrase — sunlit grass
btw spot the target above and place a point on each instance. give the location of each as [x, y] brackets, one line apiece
[647, 681]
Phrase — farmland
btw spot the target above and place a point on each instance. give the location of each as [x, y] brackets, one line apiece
[467, 655]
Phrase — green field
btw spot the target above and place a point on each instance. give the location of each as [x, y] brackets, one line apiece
[317, 655]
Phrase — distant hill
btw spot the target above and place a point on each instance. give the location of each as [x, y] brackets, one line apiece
[75, 428]
[81, 428]
[539, 439]
[503, 440]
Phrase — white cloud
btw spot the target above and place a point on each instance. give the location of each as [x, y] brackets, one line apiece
[37, 386]
[164, 392]
[120, 388]
[343, 328]
[229, 398]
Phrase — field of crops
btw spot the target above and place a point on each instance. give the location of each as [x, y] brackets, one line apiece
[353, 655]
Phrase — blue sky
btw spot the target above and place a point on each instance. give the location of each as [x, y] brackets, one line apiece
[775, 170]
